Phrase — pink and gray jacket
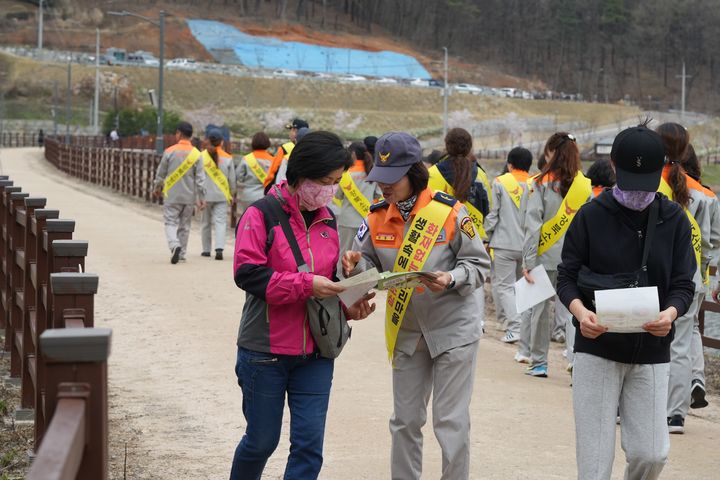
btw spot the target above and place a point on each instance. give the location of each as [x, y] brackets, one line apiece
[273, 318]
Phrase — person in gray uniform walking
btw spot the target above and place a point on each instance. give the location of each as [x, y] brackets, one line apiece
[180, 180]
[220, 185]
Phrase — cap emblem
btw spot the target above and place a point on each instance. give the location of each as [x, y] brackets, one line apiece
[384, 157]
[638, 161]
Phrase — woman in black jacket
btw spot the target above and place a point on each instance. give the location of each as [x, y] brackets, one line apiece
[626, 371]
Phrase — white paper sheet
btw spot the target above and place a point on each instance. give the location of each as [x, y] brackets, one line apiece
[528, 295]
[356, 287]
[625, 310]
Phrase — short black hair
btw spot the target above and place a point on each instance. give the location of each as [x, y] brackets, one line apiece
[520, 158]
[370, 142]
[418, 176]
[260, 141]
[185, 129]
[315, 156]
[601, 173]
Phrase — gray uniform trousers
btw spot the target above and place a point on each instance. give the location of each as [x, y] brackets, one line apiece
[568, 328]
[449, 377]
[214, 218]
[600, 386]
[697, 353]
[678, 401]
[177, 219]
[536, 328]
[507, 268]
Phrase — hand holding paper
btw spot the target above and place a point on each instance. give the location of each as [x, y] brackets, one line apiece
[530, 293]
[627, 310]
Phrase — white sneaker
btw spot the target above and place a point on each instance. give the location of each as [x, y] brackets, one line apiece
[510, 337]
[521, 358]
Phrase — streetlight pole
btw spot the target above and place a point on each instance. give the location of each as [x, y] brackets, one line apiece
[68, 105]
[445, 95]
[96, 100]
[159, 144]
[684, 77]
[40, 25]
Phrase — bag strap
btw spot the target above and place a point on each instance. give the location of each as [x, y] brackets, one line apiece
[282, 218]
[649, 232]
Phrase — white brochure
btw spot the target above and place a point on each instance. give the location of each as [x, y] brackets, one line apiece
[626, 310]
[528, 295]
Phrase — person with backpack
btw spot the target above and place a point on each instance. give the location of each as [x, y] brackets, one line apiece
[553, 199]
[277, 356]
[625, 374]
[503, 226]
[355, 195]
[431, 331]
[220, 173]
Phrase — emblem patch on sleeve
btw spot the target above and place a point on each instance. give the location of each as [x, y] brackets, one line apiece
[467, 227]
[362, 231]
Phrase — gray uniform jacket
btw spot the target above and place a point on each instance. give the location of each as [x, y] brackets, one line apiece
[541, 203]
[700, 207]
[249, 187]
[227, 167]
[191, 186]
[504, 222]
[447, 319]
[347, 215]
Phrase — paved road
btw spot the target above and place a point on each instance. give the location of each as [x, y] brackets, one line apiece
[176, 405]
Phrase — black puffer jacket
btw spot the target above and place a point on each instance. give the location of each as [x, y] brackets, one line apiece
[608, 238]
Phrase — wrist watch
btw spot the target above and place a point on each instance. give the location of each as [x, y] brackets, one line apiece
[452, 281]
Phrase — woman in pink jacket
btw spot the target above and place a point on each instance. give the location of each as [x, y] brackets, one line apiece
[276, 354]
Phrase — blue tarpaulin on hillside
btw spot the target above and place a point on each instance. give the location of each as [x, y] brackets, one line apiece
[267, 52]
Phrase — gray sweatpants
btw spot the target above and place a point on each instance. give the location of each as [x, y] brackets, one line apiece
[507, 268]
[678, 401]
[536, 328]
[697, 353]
[214, 218]
[177, 219]
[600, 387]
[449, 377]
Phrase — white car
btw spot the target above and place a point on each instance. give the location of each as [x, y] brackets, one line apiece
[419, 82]
[352, 78]
[284, 73]
[181, 63]
[468, 88]
[385, 80]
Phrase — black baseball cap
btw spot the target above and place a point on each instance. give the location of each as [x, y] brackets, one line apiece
[215, 135]
[297, 123]
[638, 154]
[395, 153]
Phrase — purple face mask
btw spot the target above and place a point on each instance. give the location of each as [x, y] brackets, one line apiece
[634, 199]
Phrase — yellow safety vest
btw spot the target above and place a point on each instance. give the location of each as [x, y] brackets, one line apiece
[288, 147]
[181, 170]
[554, 229]
[512, 186]
[694, 227]
[255, 167]
[428, 222]
[354, 195]
[217, 176]
[437, 182]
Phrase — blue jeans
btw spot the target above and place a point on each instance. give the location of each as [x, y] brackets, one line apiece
[264, 379]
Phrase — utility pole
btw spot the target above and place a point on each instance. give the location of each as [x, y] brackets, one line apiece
[159, 144]
[684, 77]
[68, 105]
[55, 107]
[40, 25]
[96, 100]
[445, 95]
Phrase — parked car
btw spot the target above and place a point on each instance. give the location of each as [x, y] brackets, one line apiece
[143, 58]
[419, 82]
[385, 80]
[188, 63]
[351, 77]
[468, 88]
[508, 92]
[281, 72]
[436, 83]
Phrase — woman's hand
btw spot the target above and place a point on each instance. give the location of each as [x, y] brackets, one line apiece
[323, 287]
[438, 283]
[661, 327]
[349, 260]
[528, 277]
[361, 309]
[587, 320]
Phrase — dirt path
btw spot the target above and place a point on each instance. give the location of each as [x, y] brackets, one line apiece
[175, 400]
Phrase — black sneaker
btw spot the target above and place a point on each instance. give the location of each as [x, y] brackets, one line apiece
[175, 255]
[218, 254]
[205, 254]
[676, 424]
[697, 393]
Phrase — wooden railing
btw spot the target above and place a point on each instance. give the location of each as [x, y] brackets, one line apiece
[19, 139]
[57, 358]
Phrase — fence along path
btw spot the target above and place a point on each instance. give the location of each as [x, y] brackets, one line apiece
[174, 397]
[56, 357]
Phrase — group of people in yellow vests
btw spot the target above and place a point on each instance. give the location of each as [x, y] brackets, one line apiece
[395, 210]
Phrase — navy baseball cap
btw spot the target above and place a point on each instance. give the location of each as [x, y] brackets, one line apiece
[395, 153]
[639, 157]
[215, 134]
